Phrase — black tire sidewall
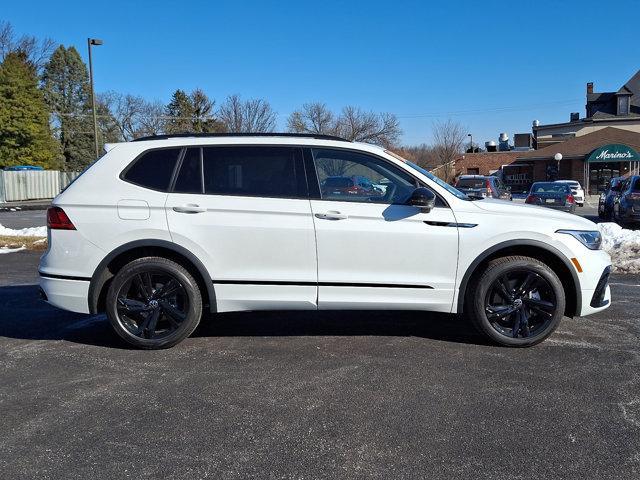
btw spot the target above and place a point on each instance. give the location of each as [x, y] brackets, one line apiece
[487, 279]
[157, 265]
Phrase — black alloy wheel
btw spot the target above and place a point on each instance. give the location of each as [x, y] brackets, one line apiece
[515, 301]
[154, 303]
[520, 303]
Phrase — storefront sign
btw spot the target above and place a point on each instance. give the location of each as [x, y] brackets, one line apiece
[615, 152]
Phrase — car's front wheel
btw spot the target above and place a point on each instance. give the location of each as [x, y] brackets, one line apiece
[154, 303]
[516, 301]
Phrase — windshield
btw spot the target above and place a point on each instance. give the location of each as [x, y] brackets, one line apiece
[442, 183]
[550, 188]
[471, 183]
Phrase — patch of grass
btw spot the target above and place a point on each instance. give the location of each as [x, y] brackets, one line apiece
[32, 243]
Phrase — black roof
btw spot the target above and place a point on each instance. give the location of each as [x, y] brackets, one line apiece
[214, 135]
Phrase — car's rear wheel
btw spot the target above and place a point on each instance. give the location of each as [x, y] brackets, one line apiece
[154, 303]
[516, 301]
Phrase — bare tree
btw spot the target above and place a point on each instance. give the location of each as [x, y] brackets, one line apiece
[423, 155]
[360, 126]
[312, 118]
[248, 116]
[448, 143]
[37, 51]
[352, 123]
[133, 116]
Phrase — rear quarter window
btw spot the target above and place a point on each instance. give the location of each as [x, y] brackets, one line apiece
[153, 169]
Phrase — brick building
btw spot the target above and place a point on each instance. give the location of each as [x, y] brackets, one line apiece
[592, 159]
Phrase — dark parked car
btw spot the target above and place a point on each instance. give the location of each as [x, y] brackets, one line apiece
[607, 198]
[481, 186]
[353, 186]
[552, 195]
[626, 207]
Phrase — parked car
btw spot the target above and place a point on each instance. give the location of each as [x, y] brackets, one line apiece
[481, 186]
[608, 197]
[626, 206]
[162, 229]
[552, 195]
[576, 190]
[356, 185]
[18, 168]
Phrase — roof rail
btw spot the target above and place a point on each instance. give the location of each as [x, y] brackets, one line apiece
[214, 135]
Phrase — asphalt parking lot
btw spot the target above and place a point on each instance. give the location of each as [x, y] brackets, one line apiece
[315, 395]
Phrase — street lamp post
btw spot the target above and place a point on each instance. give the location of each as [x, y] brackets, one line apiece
[470, 142]
[557, 157]
[96, 42]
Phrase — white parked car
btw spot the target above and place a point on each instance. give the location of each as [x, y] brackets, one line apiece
[160, 230]
[576, 191]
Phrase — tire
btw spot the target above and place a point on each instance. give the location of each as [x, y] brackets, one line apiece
[154, 303]
[483, 301]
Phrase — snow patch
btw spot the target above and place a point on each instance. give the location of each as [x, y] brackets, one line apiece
[623, 245]
[11, 250]
[23, 232]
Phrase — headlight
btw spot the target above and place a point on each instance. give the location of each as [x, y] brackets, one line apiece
[590, 239]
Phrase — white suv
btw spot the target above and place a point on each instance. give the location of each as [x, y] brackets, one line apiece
[576, 191]
[160, 230]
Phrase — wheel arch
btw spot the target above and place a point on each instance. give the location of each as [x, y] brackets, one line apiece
[122, 255]
[548, 254]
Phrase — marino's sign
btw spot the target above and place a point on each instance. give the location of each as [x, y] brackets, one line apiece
[615, 152]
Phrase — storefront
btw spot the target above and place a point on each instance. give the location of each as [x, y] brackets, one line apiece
[607, 162]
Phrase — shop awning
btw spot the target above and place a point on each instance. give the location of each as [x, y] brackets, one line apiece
[614, 152]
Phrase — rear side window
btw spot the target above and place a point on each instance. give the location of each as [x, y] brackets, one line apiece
[189, 178]
[153, 169]
[254, 171]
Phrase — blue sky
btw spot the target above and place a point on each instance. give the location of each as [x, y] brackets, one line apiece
[491, 65]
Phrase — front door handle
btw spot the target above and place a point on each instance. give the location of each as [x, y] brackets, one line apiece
[332, 215]
[189, 208]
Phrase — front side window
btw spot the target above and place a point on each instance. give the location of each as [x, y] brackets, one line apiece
[357, 177]
[153, 169]
[254, 171]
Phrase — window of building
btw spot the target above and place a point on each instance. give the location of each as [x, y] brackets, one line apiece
[623, 104]
[153, 169]
[254, 171]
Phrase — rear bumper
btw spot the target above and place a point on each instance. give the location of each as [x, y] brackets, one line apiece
[68, 294]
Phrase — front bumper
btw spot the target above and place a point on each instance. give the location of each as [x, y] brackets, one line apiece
[594, 282]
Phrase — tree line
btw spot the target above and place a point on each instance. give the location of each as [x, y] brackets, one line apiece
[46, 116]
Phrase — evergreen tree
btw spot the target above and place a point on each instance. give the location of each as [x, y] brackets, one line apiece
[192, 113]
[180, 111]
[25, 136]
[66, 89]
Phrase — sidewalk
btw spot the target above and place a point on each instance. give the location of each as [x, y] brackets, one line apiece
[26, 205]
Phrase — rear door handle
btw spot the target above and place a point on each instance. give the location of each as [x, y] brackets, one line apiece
[189, 208]
[332, 215]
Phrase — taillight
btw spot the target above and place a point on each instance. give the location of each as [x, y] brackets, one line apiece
[531, 199]
[570, 199]
[57, 219]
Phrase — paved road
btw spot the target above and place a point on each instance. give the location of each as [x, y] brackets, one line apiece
[315, 395]
[23, 218]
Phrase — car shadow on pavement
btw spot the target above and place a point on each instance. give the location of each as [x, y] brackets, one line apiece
[24, 316]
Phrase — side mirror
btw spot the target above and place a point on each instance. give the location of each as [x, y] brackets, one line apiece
[423, 198]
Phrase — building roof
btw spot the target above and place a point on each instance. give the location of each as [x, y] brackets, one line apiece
[585, 144]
